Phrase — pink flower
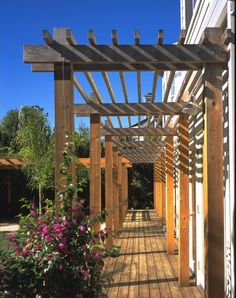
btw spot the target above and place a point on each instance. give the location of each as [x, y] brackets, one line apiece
[91, 211]
[74, 222]
[49, 239]
[33, 213]
[82, 229]
[62, 246]
[65, 222]
[56, 218]
[40, 220]
[47, 258]
[97, 255]
[85, 273]
[100, 234]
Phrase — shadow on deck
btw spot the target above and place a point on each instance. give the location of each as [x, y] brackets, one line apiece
[144, 269]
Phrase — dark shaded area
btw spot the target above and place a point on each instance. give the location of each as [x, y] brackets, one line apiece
[13, 187]
[141, 186]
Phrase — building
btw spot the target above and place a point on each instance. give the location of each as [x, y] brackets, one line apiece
[196, 15]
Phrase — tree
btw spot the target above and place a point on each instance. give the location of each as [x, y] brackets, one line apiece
[8, 130]
[36, 148]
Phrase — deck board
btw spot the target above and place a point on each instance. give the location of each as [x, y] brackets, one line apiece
[144, 269]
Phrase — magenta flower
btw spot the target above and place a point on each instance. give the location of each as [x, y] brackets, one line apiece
[85, 273]
[74, 222]
[82, 229]
[91, 211]
[40, 220]
[33, 213]
[100, 234]
[49, 239]
[62, 245]
[97, 255]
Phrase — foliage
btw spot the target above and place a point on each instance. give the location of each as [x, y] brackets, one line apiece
[141, 182]
[8, 131]
[36, 148]
[57, 253]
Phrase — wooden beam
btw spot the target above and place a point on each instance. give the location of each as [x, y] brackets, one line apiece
[183, 201]
[115, 190]
[85, 161]
[109, 188]
[138, 144]
[95, 167]
[213, 178]
[128, 109]
[63, 85]
[120, 57]
[160, 37]
[170, 240]
[138, 132]
[158, 188]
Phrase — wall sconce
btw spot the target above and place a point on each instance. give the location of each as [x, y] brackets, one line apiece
[191, 108]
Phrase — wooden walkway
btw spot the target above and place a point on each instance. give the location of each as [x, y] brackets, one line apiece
[143, 268]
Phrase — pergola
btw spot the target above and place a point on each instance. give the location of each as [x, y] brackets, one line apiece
[63, 56]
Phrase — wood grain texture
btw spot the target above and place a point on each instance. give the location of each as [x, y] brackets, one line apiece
[95, 167]
[213, 182]
[183, 201]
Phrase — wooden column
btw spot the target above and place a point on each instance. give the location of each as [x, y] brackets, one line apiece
[120, 186]
[115, 189]
[213, 177]
[155, 186]
[109, 187]
[163, 186]
[95, 165]
[183, 201]
[64, 113]
[124, 186]
[158, 188]
[169, 197]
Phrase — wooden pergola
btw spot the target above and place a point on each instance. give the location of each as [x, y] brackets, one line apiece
[64, 56]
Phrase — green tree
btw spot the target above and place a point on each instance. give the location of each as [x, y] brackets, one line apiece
[8, 130]
[36, 148]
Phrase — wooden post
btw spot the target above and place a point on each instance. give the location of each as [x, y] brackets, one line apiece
[115, 189]
[155, 186]
[120, 199]
[183, 201]
[158, 188]
[126, 189]
[163, 186]
[124, 199]
[213, 177]
[169, 197]
[109, 188]
[63, 83]
[95, 166]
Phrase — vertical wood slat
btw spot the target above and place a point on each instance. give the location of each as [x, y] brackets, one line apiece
[213, 186]
[95, 164]
[124, 191]
[158, 188]
[163, 186]
[115, 190]
[109, 188]
[169, 197]
[183, 201]
[120, 198]
[64, 113]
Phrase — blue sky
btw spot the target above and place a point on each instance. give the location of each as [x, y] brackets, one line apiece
[22, 22]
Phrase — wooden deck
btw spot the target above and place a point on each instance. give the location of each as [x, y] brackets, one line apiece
[143, 268]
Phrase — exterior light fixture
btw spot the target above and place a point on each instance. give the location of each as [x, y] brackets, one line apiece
[191, 108]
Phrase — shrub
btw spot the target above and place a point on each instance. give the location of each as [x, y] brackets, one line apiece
[56, 253]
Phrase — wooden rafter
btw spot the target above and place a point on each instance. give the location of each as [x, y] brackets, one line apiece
[138, 131]
[138, 144]
[130, 109]
[92, 40]
[125, 57]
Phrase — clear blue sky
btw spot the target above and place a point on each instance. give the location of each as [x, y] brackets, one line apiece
[22, 22]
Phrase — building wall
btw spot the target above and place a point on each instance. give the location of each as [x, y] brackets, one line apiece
[210, 13]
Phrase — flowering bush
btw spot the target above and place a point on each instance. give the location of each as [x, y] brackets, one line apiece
[56, 253]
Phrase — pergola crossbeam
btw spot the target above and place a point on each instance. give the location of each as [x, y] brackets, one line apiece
[138, 132]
